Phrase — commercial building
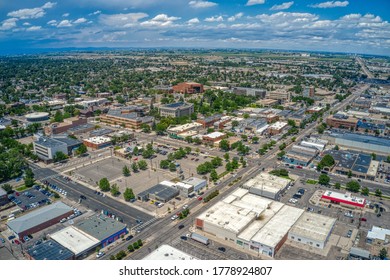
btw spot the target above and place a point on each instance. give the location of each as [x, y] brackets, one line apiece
[347, 199]
[93, 103]
[97, 142]
[75, 240]
[185, 189]
[166, 252]
[255, 92]
[71, 143]
[315, 143]
[340, 120]
[197, 183]
[49, 250]
[209, 121]
[3, 197]
[267, 185]
[278, 95]
[365, 126]
[267, 102]
[378, 235]
[213, 137]
[188, 87]
[312, 229]
[46, 148]
[174, 132]
[129, 117]
[164, 191]
[359, 254]
[39, 219]
[308, 92]
[300, 155]
[80, 129]
[103, 228]
[176, 110]
[37, 117]
[276, 128]
[57, 128]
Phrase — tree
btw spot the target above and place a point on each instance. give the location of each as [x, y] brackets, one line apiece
[172, 167]
[126, 171]
[135, 151]
[326, 161]
[59, 156]
[139, 241]
[104, 185]
[235, 123]
[255, 139]
[244, 137]
[58, 117]
[281, 154]
[130, 248]
[353, 186]
[188, 150]
[235, 163]
[323, 179]
[224, 145]
[134, 166]
[164, 164]
[29, 178]
[383, 254]
[365, 191]
[282, 146]
[214, 175]
[349, 174]
[145, 128]
[373, 156]
[378, 193]
[114, 190]
[337, 186]
[291, 123]
[229, 166]
[82, 149]
[128, 194]
[226, 156]
[142, 165]
[7, 188]
[217, 161]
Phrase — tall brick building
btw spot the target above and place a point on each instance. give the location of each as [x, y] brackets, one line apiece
[188, 88]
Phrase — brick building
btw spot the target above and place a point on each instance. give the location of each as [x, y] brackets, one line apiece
[57, 128]
[188, 88]
[342, 121]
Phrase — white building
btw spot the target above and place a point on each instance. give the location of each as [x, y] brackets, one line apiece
[312, 229]
[185, 189]
[197, 183]
[46, 148]
[267, 185]
[166, 252]
[377, 234]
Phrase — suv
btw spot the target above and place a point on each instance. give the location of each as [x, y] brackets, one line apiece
[222, 249]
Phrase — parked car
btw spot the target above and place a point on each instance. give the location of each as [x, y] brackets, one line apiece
[129, 237]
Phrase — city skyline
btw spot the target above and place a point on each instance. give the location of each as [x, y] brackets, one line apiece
[308, 25]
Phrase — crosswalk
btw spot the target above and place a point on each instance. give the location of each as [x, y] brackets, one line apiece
[141, 226]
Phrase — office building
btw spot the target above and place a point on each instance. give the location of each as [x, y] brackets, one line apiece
[176, 110]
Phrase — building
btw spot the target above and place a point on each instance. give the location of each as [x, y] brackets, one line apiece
[163, 192]
[314, 109]
[340, 120]
[312, 229]
[39, 219]
[93, 103]
[49, 250]
[267, 185]
[213, 137]
[197, 183]
[278, 95]
[186, 190]
[75, 240]
[57, 128]
[166, 252]
[188, 87]
[103, 228]
[175, 131]
[71, 143]
[97, 142]
[360, 142]
[308, 92]
[209, 121]
[300, 155]
[255, 92]
[3, 197]
[314, 143]
[359, 254]
[128, 117]
[37, 117]
[378, 235]
[276, 128]
[176, 110]
[46, 148]
[365, 126]
[80, 129]
[347, 199]
[267, 102]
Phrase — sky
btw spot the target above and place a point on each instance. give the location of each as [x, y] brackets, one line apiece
[353, 26]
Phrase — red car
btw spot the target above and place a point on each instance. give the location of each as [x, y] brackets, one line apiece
[200, 198]
[299, 167]
[363, 219]
[17, 242]
[17, 194]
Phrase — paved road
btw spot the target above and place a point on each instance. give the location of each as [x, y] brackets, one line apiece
[93, 201]
[364, 68]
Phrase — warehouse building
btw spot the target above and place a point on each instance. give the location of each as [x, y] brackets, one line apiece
[312, 229]
[341, 120]
[174, 132]
[103, 228]
[213, 137]
[267, 185]
[39, 219]
[49, 250]
[75, 240]
[347, 199]
[164, 191]
[378, 235]
[300, 155]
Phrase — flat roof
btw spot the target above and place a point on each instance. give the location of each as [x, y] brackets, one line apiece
[48, 142]
[378, 233]
[50, 250]
[313, 226]
[176, 105]
[184, 127]
[215, 134]
[165, 192]
[100, 227]
[271, 234]
[346, 197]
[278, 125]
[267, 182]
[75, 240]
[194, 181]
[166, 252]
[367, 139]
[39, 216]
[98, 139]
[2, 192]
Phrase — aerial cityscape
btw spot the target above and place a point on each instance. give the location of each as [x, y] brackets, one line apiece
[195, 130]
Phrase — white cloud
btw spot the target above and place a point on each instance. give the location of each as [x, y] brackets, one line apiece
[121, 20]
[80, 20]
[160, 20]
[8, 24]
[52, 22]
[235, 17]
[65, 15]
[283, 6]
[202, 4]
[214, 19]
[31, 13]
[26, 24]
[64, 23]
[254, 2]
[330, 4]
[193, 21]
[34, 28]
[95, 13]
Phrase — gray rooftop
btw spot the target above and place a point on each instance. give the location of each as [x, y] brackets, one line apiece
[100, 227]
[39, 216]
[360, 252]
[48, 142]
[68, 141]
[50, 250]
[365, 139]
[161, 191]
[81, 127]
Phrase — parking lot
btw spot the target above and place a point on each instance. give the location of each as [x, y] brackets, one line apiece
[30, 199]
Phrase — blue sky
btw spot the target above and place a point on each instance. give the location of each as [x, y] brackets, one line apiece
[356, 26]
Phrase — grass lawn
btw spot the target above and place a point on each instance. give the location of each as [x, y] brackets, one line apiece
[313, 182]
[22, 188]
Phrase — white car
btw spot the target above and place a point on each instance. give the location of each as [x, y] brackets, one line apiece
[185, 207]
[100, 254]
[174, 217]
